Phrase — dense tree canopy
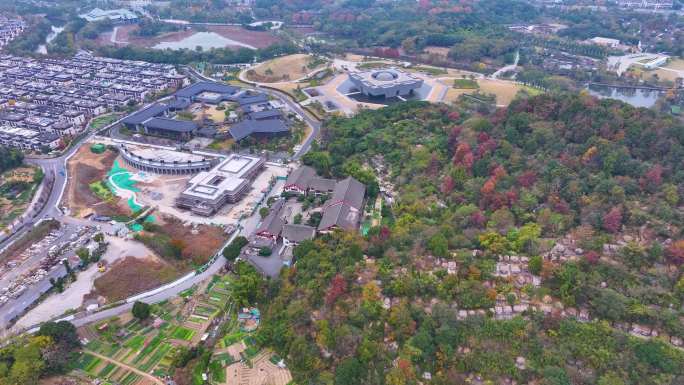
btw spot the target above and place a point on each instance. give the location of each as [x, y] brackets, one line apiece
[468, 188]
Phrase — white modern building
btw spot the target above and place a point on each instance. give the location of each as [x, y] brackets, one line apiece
[387, 82]
[227, 182]
[161, 161]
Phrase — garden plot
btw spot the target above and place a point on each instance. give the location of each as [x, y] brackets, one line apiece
[260, 371]
[149, 346]
[17, 187]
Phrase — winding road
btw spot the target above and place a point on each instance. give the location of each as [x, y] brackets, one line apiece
[52, 210]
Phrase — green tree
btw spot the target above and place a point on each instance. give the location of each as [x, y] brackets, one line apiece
[141, 310]
[349, 372]
[535, 264]
[438, 245]
[233, 250]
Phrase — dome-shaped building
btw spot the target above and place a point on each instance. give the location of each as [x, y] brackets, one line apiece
[385, 82]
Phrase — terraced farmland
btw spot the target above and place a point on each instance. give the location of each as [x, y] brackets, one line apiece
[150, 346]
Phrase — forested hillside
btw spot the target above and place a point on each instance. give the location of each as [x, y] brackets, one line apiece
[541, 244]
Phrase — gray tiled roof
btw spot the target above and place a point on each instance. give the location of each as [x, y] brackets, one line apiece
[298, 233]
[322, 184]
[273, 223]
[168, 124]
[345, 208]
[340, 215]
[147, 113]
[301, 177]
[349, 191]
[200, 87]
[246, 128]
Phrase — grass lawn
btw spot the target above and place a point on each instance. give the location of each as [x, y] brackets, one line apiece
[100, 189]
[434, 71]
[468, 84]
[221, 144]
[103, 120]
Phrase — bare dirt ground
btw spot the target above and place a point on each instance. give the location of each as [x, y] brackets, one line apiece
[132, 276]
[77, 292]
[200, 243]
[64, 380]
[125, 34]
[263, 371]
[505, 91]
[85, 168]
[442, 51]
[286, 68]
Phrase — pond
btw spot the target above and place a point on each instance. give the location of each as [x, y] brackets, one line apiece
[42, 49]
[206, 40]
[635, 96]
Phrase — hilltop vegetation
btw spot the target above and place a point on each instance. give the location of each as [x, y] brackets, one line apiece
[470, 188]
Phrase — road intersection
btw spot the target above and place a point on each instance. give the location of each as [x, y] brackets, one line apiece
[57, 166]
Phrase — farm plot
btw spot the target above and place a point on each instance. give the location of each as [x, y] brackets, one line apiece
[150, 346]
[183, 334]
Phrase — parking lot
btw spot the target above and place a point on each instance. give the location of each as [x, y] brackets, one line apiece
[26, 277]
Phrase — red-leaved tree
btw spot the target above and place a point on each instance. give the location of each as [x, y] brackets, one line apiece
[613, 220]
[338, 286]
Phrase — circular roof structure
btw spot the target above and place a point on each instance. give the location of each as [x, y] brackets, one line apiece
[385, 75]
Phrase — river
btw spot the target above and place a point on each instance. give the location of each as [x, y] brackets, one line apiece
[42, 49]
[637, 97]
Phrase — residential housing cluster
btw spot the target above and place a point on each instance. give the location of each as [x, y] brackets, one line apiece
[9, 29]
[45, 100]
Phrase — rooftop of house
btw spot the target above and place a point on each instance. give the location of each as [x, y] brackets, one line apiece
[200, 87]
[298, 233]
[246, 128]
[168, 124]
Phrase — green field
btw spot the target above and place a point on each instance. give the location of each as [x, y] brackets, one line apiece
[205, 311]
[106, 370]
[102, 121]
[217, 371]
[149, 348]
[182, 333]
[467, 84]
[135, 343]
[100, 189]
[156, 357]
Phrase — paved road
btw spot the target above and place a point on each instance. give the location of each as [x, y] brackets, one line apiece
[508, 68]
[58, 164]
